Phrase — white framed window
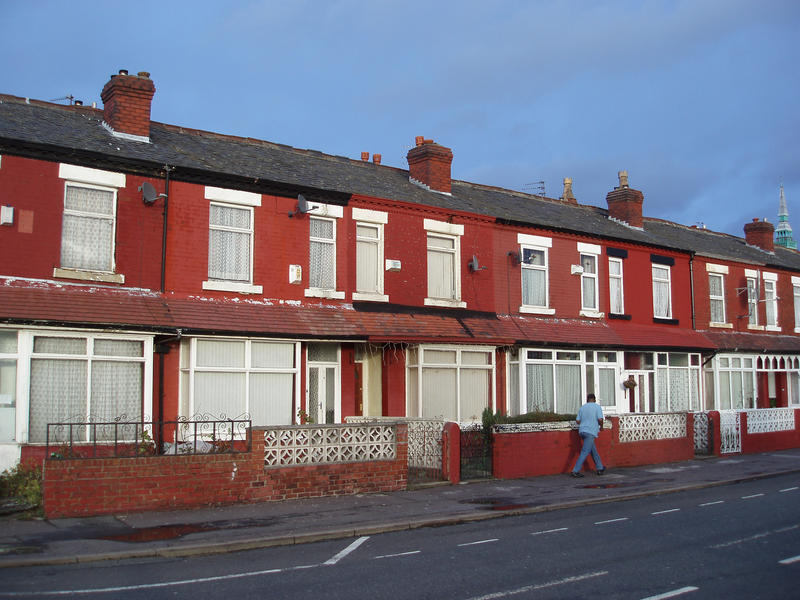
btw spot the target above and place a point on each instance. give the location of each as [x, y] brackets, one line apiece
[8, 386]
[231, 239]
[590, 303]
[78, 377]
[88, 227]
[753, 293]
[771, 301]
[322, 256]
[735, 381]
[444, 263]
[716, 298]
[455, 383]
[558, 380]
[534, 273]
[369, 254]
[238, 378]
[662, 292]
[677, 382]
[796, 298]
[615, 286]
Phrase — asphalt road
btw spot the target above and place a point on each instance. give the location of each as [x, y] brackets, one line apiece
[734, 541]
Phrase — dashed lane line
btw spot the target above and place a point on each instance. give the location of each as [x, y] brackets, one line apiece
[479, 542]
[532, 588]
[550, 531]
[789, 561]
[663, 512]
[409, 553]
[752, 496]
[673, 593]
[713, 503]
[611, 521]
[791, 489]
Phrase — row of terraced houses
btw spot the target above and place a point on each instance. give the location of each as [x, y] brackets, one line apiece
[150, 271]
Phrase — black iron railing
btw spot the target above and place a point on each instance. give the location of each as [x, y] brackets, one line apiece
[201, 434]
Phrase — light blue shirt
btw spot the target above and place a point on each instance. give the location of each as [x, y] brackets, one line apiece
[588, 417]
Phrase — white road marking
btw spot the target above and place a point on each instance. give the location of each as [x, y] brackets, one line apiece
[346, 551]
[480, 542]
[789, 561]
[757, 536]
[398, 554]
[541, 586]
[791, 489]
[550, 531]
[142, 586]
[611, 521]
[673, 593]
[784, 529]
[751, 496]
[712, 503]
[663, 512]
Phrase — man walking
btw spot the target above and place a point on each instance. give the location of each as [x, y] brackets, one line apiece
[590, 420]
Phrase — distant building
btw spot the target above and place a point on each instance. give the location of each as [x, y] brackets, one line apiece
[783, 233]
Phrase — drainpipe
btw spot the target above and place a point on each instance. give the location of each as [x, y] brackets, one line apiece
[161, 348]
[167, 170]
[691, 288]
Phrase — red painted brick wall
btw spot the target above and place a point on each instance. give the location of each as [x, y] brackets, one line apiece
[517, 455]
[752, 443]
[74, 488]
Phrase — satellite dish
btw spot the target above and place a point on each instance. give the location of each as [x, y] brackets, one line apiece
[302, 206]
[149, 194]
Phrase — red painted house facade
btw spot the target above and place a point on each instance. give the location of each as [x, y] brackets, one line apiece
[150, 271]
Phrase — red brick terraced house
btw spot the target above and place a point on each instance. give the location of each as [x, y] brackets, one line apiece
[150, 271]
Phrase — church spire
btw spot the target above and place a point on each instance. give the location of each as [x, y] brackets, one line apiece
[783, 232]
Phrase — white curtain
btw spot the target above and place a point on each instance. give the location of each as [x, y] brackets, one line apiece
[678, 390]
[607, 386]
[568, 388]
[88, 229]
[439, 393]
[539, 387]
[441, 268]
[474, 393]
[229, 243]
[322, 254]
[717, 304]
[217, 394]
[367, 259]
[116, 394]
[272, 355]
[271, 397]
[57, 395]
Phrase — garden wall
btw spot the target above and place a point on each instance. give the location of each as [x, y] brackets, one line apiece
[84, 487]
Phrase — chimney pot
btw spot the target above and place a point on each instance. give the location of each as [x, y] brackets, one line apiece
[567, 195]
[78, 102]
[625, 203]
[123, 71]
[144, 74]
[419, 140]
[365, 156]
[376, 158]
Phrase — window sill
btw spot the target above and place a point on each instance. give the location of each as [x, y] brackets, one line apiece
[756, 327]
[232, 286]
[320, 293]
[89, 275]
[721, 325]
[536, 310]
[591, 314]
[445, 303]
[665, 321]
[773, 328]
[370, 297]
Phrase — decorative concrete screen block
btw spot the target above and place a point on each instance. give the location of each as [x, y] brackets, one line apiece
[326, 444]
[639, 428]
[767, 420]
[534, 427]
[730, 431]
[701, 433]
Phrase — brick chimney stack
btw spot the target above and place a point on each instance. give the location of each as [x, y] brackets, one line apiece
[625, 203]
[429, 164]
[126, 103]
[760, 234]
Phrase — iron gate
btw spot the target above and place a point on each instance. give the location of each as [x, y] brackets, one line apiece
[476, 453]
[424, 451]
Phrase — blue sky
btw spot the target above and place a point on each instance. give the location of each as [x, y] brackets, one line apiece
[698, 100]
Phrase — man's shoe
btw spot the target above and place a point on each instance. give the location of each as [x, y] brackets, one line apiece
[601, 471]
[576, 474]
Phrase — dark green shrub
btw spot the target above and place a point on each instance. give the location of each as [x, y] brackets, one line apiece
[23, 484]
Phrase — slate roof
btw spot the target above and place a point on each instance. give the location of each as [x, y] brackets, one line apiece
[76, 134]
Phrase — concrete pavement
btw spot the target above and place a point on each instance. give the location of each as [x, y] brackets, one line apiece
[251, 526]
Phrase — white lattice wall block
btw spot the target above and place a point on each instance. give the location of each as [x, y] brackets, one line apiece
[326, 444]
[658, 426]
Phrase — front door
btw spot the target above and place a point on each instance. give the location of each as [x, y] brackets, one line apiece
[322, 392]
[644, 399]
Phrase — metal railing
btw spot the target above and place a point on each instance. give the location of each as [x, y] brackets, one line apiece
[200, 434]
